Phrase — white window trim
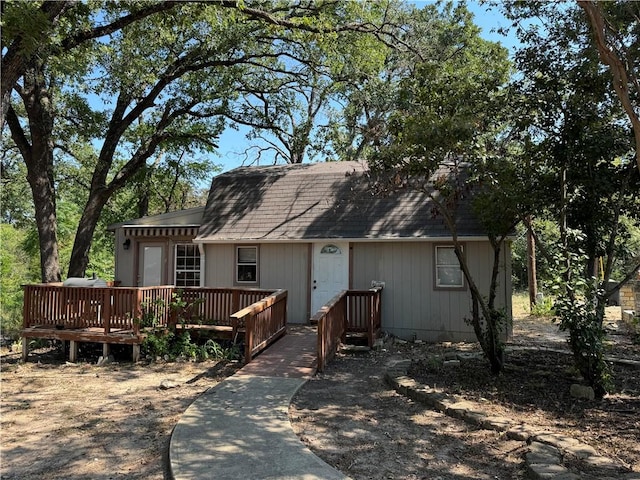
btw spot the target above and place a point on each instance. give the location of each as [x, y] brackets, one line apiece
[237, 264]
[175, 263]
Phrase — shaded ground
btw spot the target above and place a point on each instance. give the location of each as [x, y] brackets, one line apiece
[80, 421]
[350, 418]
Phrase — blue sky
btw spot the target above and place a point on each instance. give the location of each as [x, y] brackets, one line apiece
[232, 143]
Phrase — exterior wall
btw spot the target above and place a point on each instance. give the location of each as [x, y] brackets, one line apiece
[219, 265]
[128, 261]
[279, 266]
[125, 271]
[287, 266]
[411, 307]
[630, 299]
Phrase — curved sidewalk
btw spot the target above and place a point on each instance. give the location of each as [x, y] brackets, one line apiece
[240, 428]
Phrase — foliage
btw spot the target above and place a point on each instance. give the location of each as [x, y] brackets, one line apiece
[548, 237]
[443, 139]
[159, 99]
[580, 315]
[545, 308]
[577, 148]
[14, 271]
[167, 344]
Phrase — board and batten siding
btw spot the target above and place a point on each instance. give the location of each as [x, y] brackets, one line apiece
[411, 307]
[219, 265]
[279, 266]
[287, 266]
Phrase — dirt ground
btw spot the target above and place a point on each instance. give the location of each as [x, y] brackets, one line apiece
[82, 421]
[351, 419]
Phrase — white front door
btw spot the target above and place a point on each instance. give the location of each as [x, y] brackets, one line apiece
[330, 272]
[151, 265]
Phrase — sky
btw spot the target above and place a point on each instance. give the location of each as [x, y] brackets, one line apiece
[232, 143]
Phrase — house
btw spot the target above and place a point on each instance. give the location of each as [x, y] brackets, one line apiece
[315, 230]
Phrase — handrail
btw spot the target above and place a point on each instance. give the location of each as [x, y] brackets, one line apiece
[350, 311]
[332, 323]
[263, 322]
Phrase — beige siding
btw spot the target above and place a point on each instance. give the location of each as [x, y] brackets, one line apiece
[411, 306]
[219, 265]
[287, 266]
[125, 272]
[280, 266]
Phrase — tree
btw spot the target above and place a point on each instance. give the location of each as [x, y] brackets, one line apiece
[575, 135]
[442, 139]
[167, 93]
[615, 32]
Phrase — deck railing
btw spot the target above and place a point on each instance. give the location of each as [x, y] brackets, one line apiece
[351, 311]
[263, 322]
[57, 311]
[214, 306]
[109, 308]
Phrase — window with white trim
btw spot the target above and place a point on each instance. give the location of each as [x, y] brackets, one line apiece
[247, 264]
[448, 273]
[187, 265]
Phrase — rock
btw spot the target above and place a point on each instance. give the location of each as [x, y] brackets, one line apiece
[582, 392]
[105, 360]
[167, 384]
[451, 363]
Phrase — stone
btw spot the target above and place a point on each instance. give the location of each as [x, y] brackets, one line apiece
[541, 453]
[105, 360]
[582, 392]
[451, 363]
[168, 384]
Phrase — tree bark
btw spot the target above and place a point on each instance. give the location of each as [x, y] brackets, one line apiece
[531, 267]
[38, 156]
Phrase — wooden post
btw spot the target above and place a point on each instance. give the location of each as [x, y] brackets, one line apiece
[235, 301]
[25, 348]
[136, 353]
[106, 348]
[73, 351]
[106, 310]
[137, 308]
[248, 340]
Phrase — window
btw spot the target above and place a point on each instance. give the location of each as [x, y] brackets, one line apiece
[331, 249]
[448, 272]
[247, 264]
[187, 266]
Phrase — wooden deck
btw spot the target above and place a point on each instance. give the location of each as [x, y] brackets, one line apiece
[123, 315]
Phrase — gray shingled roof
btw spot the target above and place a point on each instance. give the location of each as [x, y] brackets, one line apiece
[317, 201]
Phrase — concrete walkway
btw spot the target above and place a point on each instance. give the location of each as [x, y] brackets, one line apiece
[240, 428]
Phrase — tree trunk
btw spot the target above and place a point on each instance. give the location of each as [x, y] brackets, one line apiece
[531, 267]
[84, 234]
[38, 157]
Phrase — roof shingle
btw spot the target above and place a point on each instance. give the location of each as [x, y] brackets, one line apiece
[331, 200]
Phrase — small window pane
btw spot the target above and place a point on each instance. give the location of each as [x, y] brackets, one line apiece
[331, 249]
[247, 254]
[448, 272]
[449, 277]
[446, 256]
